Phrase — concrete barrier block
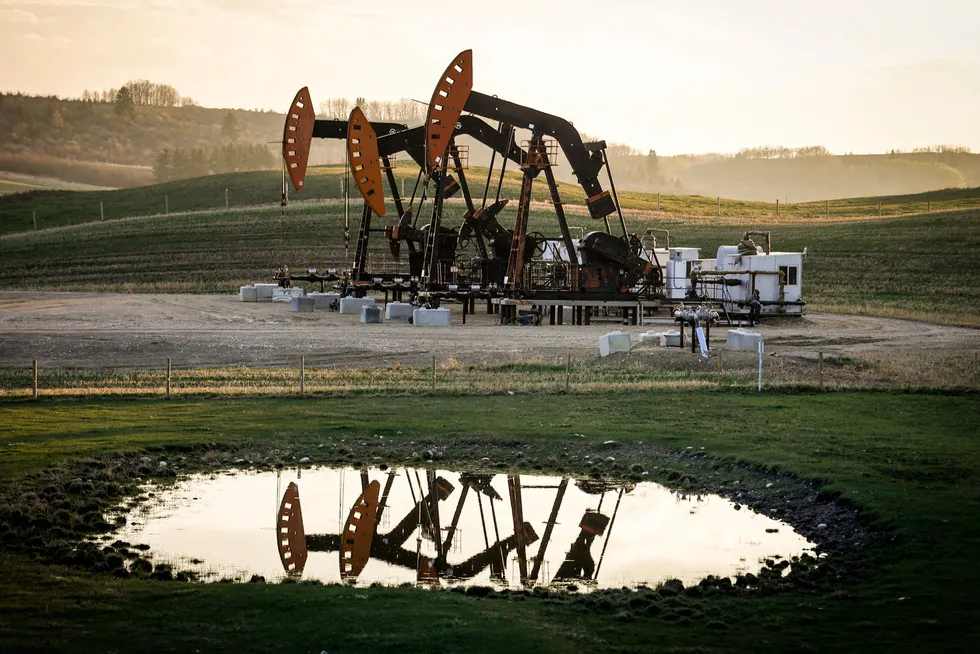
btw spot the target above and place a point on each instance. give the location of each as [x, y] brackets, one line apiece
[352, 305]
[398, 311]
[264, 291]
[301, 304]
[323, 300]
[614, 342]
[431, 317]
[656, 337]
[248, 294]
[371, 314]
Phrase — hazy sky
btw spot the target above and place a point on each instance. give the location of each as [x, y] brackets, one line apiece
[678, 76]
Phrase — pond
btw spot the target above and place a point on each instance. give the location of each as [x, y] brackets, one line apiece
[433, 526]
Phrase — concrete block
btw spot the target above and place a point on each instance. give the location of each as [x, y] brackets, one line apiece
[323, 300]
[302, 304]
[398, 311]
[248, 294]
[352, 305]
[431, 317]
[264, 291]
[656, 337]
[614, 342]
[371, 314]
[750, 341]
[286, 294]
[743, 339]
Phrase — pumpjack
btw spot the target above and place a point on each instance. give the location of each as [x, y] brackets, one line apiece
[372, 150]
[600, 266]
[362, 540]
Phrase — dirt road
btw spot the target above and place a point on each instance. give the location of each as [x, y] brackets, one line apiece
[119, 330]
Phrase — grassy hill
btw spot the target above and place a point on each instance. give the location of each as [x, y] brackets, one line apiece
[890, 266]
[92, 131]
[56, 209]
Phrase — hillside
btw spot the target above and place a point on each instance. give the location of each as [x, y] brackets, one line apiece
[89, 142]
[18, 211]
[806, 179]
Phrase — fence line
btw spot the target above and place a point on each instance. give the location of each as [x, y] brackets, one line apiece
[724, 371]
[687, 206]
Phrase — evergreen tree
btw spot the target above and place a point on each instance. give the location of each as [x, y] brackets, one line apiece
[163, 166]
[229, 127]
[124, 105]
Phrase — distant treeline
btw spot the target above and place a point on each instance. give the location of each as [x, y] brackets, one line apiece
[197, 162]
[133, 124]
[143, 93]
[404, 111]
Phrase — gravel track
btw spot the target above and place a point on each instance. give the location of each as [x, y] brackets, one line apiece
[127, 330]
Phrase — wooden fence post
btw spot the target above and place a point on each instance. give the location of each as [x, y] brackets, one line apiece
[166, 204]
[719, 205]
[34, 394]
[101, 212]
[302, 376]
[568, 369]
[226, 198]
[169, 373]
[820, 370]
[828, 208]
[777, 206]
[658, 201]
[433, 375]
[34, 218]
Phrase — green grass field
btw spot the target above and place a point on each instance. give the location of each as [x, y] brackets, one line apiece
[893, 267]
[918, 485]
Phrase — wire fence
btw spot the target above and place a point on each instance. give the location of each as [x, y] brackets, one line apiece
[49, 215]
[644, 370]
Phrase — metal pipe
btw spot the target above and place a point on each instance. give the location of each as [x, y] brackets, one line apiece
[612, 186]
[605, 541]
[493, 157]
[503, 166]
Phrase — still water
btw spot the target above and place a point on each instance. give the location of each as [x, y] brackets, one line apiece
[439, 527]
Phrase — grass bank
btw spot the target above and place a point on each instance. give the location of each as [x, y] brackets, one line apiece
[909, 461]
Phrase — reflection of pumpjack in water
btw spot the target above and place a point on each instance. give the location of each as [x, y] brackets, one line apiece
[360, 540]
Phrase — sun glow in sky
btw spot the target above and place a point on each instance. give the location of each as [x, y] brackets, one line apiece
[694, 76]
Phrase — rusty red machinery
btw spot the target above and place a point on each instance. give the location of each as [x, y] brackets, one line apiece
[480, 257]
